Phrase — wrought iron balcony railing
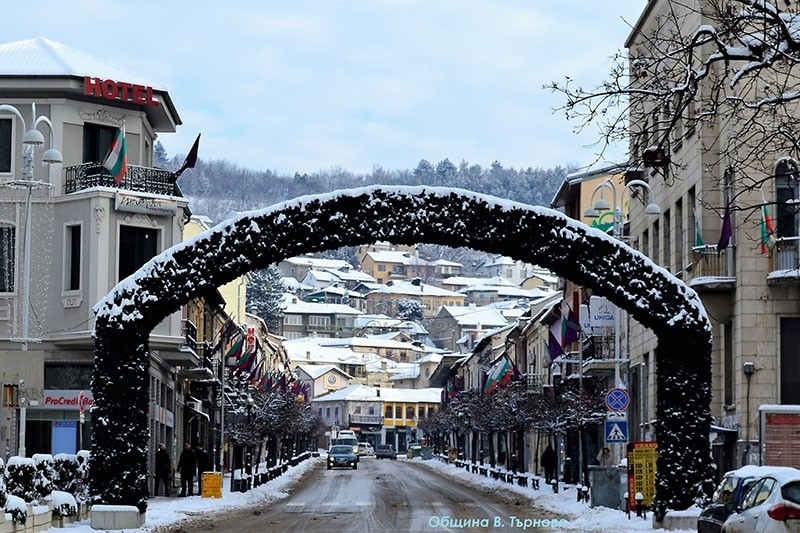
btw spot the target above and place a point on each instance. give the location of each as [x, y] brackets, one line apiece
[138, 179]
[786, 253]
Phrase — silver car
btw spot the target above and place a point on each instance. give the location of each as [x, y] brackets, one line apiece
[770, 505]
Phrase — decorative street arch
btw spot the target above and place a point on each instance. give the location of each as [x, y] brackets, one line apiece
[400, 215]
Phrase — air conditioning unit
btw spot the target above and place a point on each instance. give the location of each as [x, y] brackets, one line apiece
[195, 405]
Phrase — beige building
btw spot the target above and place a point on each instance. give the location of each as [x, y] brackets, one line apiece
[751, 297]
[85, 232]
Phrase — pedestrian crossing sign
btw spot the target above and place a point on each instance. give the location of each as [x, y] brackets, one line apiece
[617, 431]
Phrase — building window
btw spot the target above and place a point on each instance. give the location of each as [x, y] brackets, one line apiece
[381, 268]
[327, 412]
[409, 413]
[787, 176]
[72, 258]
[316, 320]
[292, 320]
[6, 143]
[96, 142]
[336, 412]
[67, 376]
[7, 246]
[136, 247]
[371, 410]
[388, 411]
[357, 410]
[398, 412]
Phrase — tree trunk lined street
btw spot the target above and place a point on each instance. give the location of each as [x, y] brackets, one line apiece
[381, 495]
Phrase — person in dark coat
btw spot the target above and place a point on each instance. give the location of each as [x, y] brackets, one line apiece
[163, 469]
[548, 462]
[203, 465]
[187, 466]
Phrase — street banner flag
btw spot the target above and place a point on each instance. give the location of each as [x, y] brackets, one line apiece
[727, 229]
[767, 228]
[116, 161]
[497, 374]
[191, 159]
[570, 328]
[699, 243]
[555, 346]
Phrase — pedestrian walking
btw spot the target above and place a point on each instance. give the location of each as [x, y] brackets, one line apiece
[203, 465]
[187, 466]
[548, 462]
[163, 469]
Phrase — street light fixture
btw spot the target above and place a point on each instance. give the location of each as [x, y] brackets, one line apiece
[31, 140]
[651, 209]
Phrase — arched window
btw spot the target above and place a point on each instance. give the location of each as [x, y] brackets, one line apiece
[786, 187]
[7, 247]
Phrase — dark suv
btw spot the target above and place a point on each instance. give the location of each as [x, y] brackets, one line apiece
[385, 451]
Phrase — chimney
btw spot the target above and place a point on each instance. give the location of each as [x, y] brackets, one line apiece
[378, 390]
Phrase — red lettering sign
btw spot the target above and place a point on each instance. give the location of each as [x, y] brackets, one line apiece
[119, 90]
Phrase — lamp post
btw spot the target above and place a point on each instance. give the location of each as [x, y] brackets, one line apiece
[31, 140]
[618, 228]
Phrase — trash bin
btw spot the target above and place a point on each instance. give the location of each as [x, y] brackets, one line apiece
[427, 453]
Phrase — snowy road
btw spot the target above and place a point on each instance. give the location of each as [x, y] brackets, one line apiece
[385, 496]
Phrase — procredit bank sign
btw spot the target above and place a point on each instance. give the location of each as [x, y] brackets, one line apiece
[66, 400]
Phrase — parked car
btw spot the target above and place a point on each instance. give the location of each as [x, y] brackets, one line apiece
[730, 490]
[342, 455]
[385, 451]
[414, 450]
[365, 449]
[770, 505]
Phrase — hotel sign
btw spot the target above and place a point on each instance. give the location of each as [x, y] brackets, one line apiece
[119, 90]
[149, 205]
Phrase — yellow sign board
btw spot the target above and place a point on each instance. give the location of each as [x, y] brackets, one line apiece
[642, 458]
[212, 485]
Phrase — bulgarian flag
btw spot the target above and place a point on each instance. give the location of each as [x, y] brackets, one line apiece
[497, 375]
[116, 162]
[767, 228]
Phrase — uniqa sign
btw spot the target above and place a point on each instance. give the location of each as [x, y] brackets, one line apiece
[119, 90]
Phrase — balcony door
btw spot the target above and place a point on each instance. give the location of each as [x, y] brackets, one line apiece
[790, 360]
[96, 142]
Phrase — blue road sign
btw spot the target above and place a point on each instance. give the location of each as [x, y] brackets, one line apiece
[617, 399]
[617, 431]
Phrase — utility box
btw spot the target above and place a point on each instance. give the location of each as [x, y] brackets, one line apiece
[608, 486]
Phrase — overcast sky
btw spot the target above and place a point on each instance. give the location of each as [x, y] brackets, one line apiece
[308, 85]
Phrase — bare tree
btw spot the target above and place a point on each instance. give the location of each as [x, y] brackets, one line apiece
[726, 65]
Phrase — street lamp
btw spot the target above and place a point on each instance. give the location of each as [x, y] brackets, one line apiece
[618, 228]
[31, 140]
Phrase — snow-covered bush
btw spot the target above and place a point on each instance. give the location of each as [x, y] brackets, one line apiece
[82, 490]
[16, 507]
[21, 477]
[2, 483]
[66, 472]
[64, 503]
[43, 482]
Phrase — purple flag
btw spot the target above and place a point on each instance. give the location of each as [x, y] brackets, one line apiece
[727, 230]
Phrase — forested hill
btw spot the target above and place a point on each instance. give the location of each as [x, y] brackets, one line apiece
[217, 187]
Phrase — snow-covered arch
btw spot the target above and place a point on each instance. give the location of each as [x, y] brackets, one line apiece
[256, 239]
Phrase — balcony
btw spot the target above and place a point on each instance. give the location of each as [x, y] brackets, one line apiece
[785, 262]
[711, 270]
[367, 420]
[137, 179]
